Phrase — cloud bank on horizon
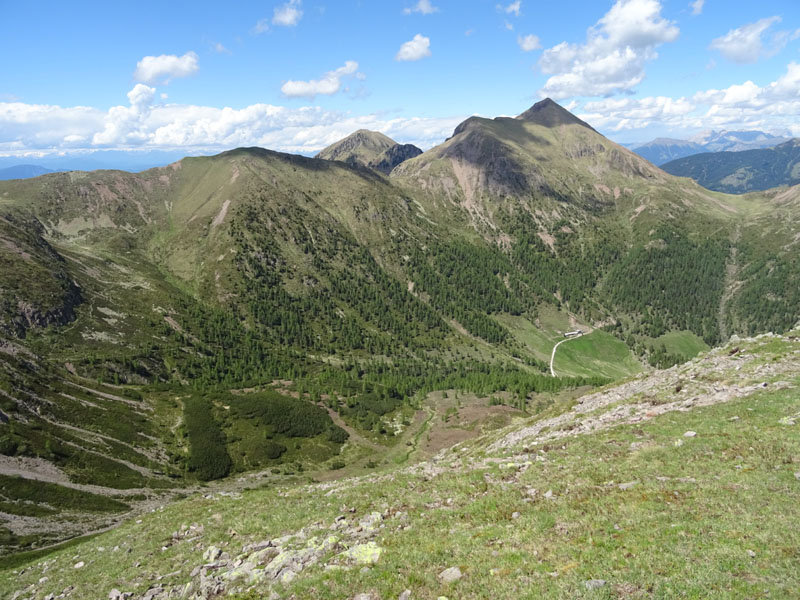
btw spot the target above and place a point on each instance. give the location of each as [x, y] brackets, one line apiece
[618, 72]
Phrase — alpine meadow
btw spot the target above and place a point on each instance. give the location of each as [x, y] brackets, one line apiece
[500, 357]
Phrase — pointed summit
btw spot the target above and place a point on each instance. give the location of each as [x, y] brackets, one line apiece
[370, 149]
[548, 113]
[359, 147]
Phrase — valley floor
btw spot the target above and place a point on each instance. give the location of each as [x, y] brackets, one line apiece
[683, 483]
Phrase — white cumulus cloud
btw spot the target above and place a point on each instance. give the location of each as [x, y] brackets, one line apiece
[613, 58]
[746, 44]
[529, 42]
[147, 125]
[26, 127]
[417, 48]
[616, 114]
[127, 124]
[329, 84]
[515, 8]
[288, 15]
[164, 68]
[423, 7]
[697, 6]
[743, 106]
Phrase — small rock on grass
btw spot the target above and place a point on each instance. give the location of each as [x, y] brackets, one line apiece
[628, 485]
[406, 595]
[690, 434]
[450, 575]
[594, 584]
[364, 554]
[797, 475]
[751, 554]
[212, 553]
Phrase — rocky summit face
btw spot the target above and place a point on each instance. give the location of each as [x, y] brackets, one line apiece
[393, 156]
[548, 113]
[254, 329]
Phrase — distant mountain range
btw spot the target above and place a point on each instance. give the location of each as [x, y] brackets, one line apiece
[22, 172]
[741, 172]
[663, 150]
[14, 167]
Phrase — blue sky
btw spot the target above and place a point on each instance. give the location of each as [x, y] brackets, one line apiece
[296, 75]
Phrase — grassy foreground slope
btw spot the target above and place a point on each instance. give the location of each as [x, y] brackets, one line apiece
[681, 483]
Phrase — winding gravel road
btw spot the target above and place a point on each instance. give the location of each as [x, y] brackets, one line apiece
[553, 353]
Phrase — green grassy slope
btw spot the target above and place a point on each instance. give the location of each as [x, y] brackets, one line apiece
[596, 352]
[684, 343]
[650, 489]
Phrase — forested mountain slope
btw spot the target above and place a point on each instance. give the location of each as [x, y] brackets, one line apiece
[741, 172]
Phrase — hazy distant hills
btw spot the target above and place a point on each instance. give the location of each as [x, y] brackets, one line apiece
[125, 160]
[736, 141]
[740, 172]
[22, 172]
[663, 150]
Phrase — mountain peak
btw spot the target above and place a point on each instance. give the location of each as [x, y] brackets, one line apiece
[358, 148]
[369, 149]
[373, 136]
[549, 113]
